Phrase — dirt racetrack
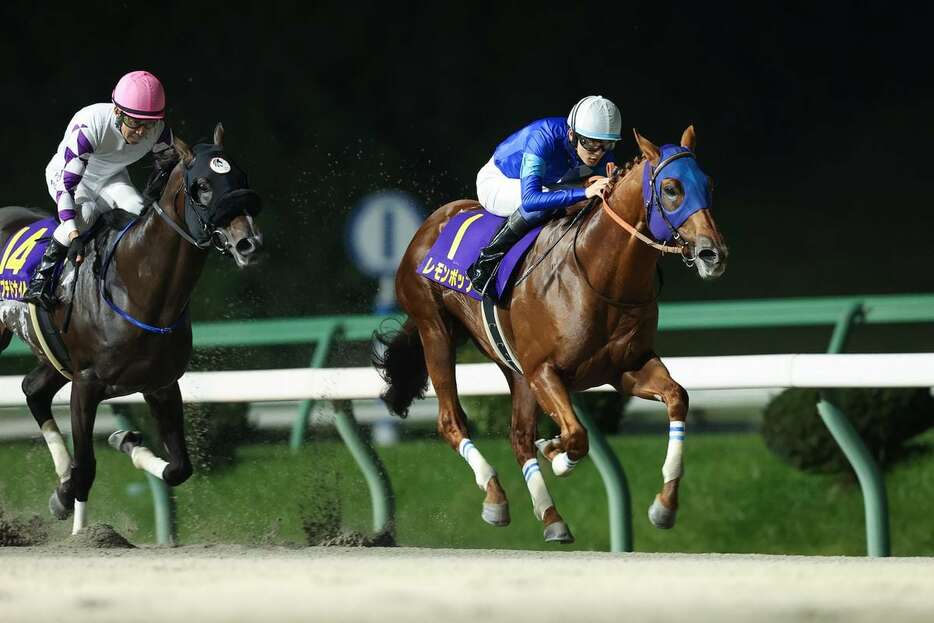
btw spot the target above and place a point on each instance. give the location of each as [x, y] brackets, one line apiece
[234, 583]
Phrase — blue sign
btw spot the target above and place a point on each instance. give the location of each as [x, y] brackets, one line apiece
[378, 233]
[380, 229]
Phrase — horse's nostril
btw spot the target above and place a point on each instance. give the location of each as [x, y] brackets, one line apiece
[709, 256]
[246, 246]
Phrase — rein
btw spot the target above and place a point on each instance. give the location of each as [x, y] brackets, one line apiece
[178, 229]
[105, 294]
[583, 273]
[635, 232]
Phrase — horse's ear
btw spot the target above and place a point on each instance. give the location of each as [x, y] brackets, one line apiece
[688, 139]
[649, 150]
[183, 151]
[219, 134]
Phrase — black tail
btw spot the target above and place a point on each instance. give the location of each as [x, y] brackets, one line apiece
[400, 360]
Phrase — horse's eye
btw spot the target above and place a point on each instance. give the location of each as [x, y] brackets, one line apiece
[205, 192]
[671, 191]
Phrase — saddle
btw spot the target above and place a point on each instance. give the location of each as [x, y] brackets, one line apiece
[458, 246]
[42, 321]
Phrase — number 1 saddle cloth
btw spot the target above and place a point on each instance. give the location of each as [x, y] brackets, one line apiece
[460, 243]
[20, 256]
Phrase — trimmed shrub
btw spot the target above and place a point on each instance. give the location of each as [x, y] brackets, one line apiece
[884, 418]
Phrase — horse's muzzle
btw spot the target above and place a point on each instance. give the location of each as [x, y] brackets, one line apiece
[709, 259]
[246, 251]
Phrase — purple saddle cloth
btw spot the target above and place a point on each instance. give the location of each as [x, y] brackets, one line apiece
[20, 255]
[460, 243]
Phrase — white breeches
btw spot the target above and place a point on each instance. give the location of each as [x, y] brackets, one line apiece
[116, 192]
[497, 193]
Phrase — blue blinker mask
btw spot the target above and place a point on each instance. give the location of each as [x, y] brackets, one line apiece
[678, 163]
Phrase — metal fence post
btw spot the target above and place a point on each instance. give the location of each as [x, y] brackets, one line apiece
[870, 477]
[619, 501]
[373, 470]
[318, 359]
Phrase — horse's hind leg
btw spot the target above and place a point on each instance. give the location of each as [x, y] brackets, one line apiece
[653, 382]
[452, 425]
[40, 387]
[166, 407]
[522, 434]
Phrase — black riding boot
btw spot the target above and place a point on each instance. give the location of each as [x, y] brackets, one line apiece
[481, 272]
[40, 289]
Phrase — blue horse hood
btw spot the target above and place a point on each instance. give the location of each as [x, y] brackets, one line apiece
[696, 191]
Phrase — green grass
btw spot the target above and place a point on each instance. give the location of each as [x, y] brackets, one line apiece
[736, 497]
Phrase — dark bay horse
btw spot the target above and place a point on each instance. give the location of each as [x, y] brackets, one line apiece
[140, 339]
[585, 316]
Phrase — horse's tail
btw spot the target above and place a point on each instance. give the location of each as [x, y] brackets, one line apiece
[399, 357]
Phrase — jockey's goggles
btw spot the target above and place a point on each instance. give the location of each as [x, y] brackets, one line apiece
[593, 145]
[136, 124]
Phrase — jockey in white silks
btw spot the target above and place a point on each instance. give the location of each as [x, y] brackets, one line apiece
[88, 173]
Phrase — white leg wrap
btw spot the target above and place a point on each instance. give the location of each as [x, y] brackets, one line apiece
[541, 500]
[81, 517]
[562, 464]
[672, 468]
[144, 459]
[56, 443]
[481, 469]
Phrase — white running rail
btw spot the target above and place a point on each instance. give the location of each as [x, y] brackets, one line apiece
[733, 372]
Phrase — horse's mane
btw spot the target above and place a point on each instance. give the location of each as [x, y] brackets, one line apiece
[629, 166]
[624, 169]
[183, 150]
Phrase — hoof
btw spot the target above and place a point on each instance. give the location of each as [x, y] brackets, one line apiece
[562, 465]
[541, 444]
[496, 514]
[125, 440]
[558, 532]
[661, 516]
[59, 509]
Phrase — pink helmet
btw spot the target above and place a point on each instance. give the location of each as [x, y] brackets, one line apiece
[140, 95]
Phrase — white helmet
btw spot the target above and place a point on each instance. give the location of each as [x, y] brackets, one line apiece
[596, 117]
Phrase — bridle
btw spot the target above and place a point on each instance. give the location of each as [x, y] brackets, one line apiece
[210, 234]
[653, 203]
[200, 229]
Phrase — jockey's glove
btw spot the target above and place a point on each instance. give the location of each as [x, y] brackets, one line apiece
[75, 249]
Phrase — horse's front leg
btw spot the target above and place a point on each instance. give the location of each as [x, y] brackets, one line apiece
[165, 405]
[653, 382]
[522, 434]
[86, 395]
[553, 397]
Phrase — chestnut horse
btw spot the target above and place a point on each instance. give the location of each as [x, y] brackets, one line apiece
[585, 315]
[130, 330]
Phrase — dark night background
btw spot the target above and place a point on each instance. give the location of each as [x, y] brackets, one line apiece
[815, 121]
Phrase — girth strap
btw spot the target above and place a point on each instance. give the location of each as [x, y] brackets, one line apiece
[496, 337]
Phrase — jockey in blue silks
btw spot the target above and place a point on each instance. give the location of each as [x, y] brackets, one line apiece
[527, 179]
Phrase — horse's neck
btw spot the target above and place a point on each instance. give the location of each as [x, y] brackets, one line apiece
[617, 264]
[160, 269]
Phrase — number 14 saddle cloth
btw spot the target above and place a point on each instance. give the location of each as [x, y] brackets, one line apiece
[20, 256]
